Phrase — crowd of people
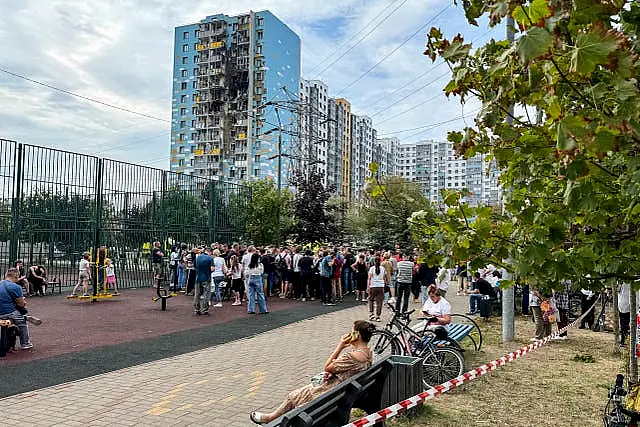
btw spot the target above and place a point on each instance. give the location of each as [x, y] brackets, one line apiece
[245, 273]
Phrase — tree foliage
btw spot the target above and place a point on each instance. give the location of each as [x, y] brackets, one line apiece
[314, 221]
[389, 204]
[568, 150]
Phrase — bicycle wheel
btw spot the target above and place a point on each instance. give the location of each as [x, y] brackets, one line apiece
[441, 365]
[383, 344]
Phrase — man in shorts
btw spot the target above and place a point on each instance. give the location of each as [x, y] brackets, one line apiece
[156, 264]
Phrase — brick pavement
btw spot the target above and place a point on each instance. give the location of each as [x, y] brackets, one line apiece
[217, 386]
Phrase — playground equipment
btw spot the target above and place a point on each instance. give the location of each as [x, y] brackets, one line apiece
[163, 294]
[97, 293]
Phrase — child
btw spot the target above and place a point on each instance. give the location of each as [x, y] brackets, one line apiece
[548, 313]
[111, 275]
[84, 275]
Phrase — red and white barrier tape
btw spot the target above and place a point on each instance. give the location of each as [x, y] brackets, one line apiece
[400, 407]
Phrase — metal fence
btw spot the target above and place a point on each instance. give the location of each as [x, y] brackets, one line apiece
[55, 205]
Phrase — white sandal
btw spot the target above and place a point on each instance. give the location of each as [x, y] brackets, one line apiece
[257, 417]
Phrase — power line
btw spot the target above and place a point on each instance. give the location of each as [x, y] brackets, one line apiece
[435, 125]
[361, 39]
[345, 42]
[86, 98]
[411, 93]
[407, 40]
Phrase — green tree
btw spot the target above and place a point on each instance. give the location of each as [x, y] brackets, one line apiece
[560, 117]
[388, 206]
[263, 211]
[314, 220]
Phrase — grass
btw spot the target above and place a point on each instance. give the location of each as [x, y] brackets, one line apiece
[562, 383]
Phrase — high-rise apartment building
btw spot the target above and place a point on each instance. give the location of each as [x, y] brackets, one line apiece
[363, 138]
[227, 72]
[434, 165]
[313, 134]
[335, 139]
[344, 108]
[384, 154]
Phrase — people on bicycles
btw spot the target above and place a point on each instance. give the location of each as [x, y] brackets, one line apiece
[437, 310]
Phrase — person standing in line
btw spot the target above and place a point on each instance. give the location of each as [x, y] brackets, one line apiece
[306, 276]
[254, 272]
[202, 294]
[235, 272]
[561, 299]
[156, 264]
[587, 298]
[245, 261]
[535, 299]
[388, 267]
[428, 275]
[217, 277]
[296, 276]
[174, 256]
[191, 258]
[326, 270]
[281, 266]
[405, 278]
[375, 286]
[84, 275]
[182, 268]
[442, 281]
[347, 272]
[336, 283]
[461, 276]
[266, 278]
[361, 273]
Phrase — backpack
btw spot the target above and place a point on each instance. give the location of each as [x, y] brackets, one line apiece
[281, 263]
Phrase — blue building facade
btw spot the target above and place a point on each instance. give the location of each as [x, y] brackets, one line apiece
[232, 80]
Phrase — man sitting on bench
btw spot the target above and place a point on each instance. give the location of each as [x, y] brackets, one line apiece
[339, 367]
[12, 306]
[481, 288]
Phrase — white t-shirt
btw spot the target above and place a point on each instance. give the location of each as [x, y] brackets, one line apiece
[84, 266]
[246, 260]
[218, 267]
[296, 262]
[442, 281]
[236, 273]
[110, 271]
[439, 308]
[377, 280]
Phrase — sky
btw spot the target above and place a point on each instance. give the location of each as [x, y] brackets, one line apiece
[121, 51]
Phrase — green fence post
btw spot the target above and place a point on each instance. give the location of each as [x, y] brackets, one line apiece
[16, 200]
[98, 221]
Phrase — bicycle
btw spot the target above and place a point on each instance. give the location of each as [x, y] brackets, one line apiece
[618, 415]
[442, 359]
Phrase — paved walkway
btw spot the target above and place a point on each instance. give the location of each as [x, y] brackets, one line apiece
[217, 386]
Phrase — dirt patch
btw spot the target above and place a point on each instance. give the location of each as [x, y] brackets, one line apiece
[562, 383]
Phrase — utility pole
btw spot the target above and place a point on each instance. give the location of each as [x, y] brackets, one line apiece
[508, 295]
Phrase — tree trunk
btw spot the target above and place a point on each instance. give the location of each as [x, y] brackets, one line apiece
[633, 329]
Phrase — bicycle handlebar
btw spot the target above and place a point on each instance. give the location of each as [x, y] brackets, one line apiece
[399, 314]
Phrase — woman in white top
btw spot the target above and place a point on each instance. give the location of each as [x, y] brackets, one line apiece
[256, 294]
[217, 277]
[375, 286]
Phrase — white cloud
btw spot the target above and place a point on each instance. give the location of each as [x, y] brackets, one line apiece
[121, 53]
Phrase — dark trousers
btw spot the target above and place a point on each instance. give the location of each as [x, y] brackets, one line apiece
[297, 284]
[306, 281]
[191, 280]
[563, 320]
[376, 295]
[415, 289]
[327, 291]
[525, 300]
[625, 322]
[585, 304]
[403, 290]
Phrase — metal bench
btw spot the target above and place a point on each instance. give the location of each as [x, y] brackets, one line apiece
[388, 381]
[464, 328]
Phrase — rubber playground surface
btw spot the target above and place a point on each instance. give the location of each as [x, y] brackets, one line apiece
[78, 338]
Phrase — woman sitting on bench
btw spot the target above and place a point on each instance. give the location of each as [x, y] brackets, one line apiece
[339, 367]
